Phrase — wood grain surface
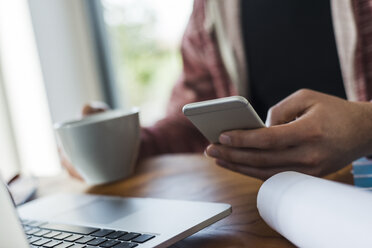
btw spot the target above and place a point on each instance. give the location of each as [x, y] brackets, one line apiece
[196, 178]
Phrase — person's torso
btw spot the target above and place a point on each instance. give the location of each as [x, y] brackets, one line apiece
[289, 45]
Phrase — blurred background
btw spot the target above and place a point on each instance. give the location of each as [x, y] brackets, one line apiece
[57, 55]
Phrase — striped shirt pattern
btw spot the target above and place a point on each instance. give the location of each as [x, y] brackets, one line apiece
[363, 54]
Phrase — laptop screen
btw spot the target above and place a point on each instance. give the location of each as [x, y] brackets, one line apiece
[11, 232]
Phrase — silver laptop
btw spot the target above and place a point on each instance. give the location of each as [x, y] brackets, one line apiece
[78, 221]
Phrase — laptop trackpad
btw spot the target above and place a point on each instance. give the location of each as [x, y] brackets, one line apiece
[101, 211]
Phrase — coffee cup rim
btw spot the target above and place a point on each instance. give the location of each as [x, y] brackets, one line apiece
[96, 118]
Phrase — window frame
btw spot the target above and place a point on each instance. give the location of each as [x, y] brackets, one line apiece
[95, 14]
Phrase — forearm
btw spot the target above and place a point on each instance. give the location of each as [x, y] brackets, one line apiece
[171, 135]
[363, 121]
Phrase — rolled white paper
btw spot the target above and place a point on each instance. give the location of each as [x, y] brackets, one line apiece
[314, 212]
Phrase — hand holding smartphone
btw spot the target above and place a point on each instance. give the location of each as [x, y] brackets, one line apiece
[213, 117]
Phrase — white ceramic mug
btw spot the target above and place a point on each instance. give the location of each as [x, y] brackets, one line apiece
[103, 147]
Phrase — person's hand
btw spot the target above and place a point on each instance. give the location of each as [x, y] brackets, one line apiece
[88, 109]
[94, 108]
[309, 132]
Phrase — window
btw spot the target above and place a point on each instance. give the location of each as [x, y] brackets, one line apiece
[145, 38]
[49, 69]
[26, 130]
[52, 62]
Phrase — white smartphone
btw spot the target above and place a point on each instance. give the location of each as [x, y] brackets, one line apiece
[213, 117]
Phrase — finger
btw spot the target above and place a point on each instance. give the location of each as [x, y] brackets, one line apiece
[94, 108]
[68, 166]
[275, 137]
[71, 170]
[261, 173]
[291, 107]
[259, 158]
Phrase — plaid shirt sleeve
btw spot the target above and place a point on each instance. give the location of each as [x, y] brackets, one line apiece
[174, 133]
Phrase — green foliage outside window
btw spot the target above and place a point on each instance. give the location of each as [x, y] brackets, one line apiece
[145, 65]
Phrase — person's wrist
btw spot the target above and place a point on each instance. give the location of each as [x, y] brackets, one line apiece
[365, 126]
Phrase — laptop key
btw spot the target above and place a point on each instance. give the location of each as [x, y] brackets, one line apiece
[77, 246]
[126, 245]
[33, 239]
[102, 233]
[41, 233]
[32, 231]
[116, 234]
[41, 242]
[96, 241]
[129, 236]
[52, 243]
[70, 228]
[51, 234]
[84, 240]
[64, 245]
[62, 236]
[73, 237]
[110, 243]
[143, 238]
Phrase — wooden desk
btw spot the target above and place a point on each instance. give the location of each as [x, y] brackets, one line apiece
[194, 177]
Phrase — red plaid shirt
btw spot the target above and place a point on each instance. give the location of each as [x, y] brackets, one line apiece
[205, 77]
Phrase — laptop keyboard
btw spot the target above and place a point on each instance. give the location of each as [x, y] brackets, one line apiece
[42, 234]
